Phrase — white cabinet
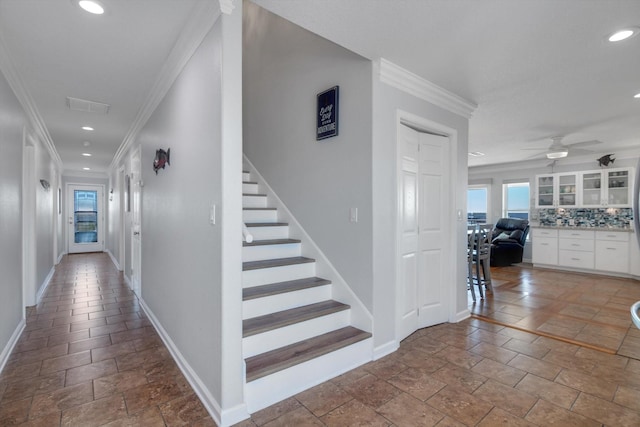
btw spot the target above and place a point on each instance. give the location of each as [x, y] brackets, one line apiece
[590, 189]
[606, 188]
[576, 248]
[612, 251]
[545, 246]
[634, 255]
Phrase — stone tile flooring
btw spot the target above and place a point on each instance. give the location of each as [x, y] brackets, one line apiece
[89, 357]
[585, 309]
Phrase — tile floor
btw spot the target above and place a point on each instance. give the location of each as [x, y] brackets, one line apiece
[590, 310]
[89, 357]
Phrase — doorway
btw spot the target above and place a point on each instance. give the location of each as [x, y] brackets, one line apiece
[85, 218]
[135, 194]
[424, 230]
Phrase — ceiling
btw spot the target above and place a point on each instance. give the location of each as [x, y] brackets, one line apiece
[535, 68]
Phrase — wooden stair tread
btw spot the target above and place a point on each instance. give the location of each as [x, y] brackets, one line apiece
[282, 287]
[282, 358]
[271, 242]
[266, 224]
[278, 262]
[268, 322]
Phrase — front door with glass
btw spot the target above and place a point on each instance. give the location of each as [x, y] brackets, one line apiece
[85, 218]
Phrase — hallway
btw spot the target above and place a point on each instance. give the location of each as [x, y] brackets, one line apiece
[88, 356]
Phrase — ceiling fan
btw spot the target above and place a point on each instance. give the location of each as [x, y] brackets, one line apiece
[558, 150]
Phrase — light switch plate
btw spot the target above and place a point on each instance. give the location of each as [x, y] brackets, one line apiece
[353, 215]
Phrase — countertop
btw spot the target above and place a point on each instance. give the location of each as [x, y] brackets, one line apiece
[569, 227]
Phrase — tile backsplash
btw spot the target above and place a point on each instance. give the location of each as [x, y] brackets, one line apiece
[582, 217]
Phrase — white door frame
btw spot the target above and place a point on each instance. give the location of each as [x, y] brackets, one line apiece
[70, 213]
[122, 216]
[29, 286]
[405, 118]
[135, 205]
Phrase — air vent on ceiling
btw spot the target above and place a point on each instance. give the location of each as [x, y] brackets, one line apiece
[77, 104]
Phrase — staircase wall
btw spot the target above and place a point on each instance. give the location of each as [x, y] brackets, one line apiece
[284, 68]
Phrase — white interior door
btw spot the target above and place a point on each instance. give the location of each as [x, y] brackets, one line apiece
[85, 218]
[136, 219]
[424, 237]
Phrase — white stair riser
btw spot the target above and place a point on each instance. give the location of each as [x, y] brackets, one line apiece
[249, 188]
[267, 233]
[264, 276]
[268, 215]
[267, 341]
[284, 301]
[246, 176]
[273, 388]
[257, 253]
[254, 201]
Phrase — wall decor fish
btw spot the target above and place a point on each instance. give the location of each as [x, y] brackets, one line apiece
[161, 159]
[605, 160]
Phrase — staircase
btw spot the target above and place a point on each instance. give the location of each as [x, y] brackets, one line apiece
[294, 334]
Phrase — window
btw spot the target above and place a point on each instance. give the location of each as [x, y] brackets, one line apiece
[477, 197]
[515, 200]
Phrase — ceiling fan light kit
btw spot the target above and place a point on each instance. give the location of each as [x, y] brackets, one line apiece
[557, 154]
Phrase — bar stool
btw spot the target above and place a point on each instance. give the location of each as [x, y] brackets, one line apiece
[471, 243]
[482, 257]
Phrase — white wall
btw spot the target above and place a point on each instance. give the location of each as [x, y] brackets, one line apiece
[44, 225]
[12, 122]
[113, 203]
[181, 251]
[386, 103]
[284, 68]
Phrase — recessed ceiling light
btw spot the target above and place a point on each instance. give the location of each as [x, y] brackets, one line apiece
[637, 95]
[87, 128]
[476, 154]
[86, 154]
[86, 143]
[92, 6]
[86, 169]
[623, 34]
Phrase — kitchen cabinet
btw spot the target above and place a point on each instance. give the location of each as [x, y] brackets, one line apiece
[557, 190]
[545, 246]
[606, 188]
[612, 251]
[602, 250]
[576, 248]
[589, 189]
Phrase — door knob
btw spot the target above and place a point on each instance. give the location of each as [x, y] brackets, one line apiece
[136, 233]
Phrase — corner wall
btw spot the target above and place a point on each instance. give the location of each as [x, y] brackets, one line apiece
[284, 68]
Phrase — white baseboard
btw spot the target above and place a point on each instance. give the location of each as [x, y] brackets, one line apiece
[62, 254]
[114, 260]
[45, 285]
[128, 282]
[385, 349]
[6, 351]
[462, 315]
[221, 417]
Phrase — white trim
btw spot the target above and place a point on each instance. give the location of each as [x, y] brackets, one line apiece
[128, 282]
[461, 315]
[113, 260]
[6, 351]
[45, 285]
[226, 6]
[19, 88]
[211, 405]
[62, 254]
[200, 22]
[28, 220]
[361, 317]
[385, 349]
[408, 82]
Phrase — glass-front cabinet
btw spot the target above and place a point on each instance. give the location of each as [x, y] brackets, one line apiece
[545, 196]
[607, 188]
[557, 190]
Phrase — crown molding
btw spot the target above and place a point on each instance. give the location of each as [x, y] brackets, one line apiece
[202, 18]
[408, 82]
[21, 92]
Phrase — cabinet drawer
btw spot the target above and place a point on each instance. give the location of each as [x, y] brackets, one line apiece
[612, 256]
[577, 244]
[543, 232]
[576, 234]
[545, 250]
[617, 236]
[576, 259]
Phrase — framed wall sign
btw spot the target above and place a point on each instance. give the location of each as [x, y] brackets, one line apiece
[327, 114]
